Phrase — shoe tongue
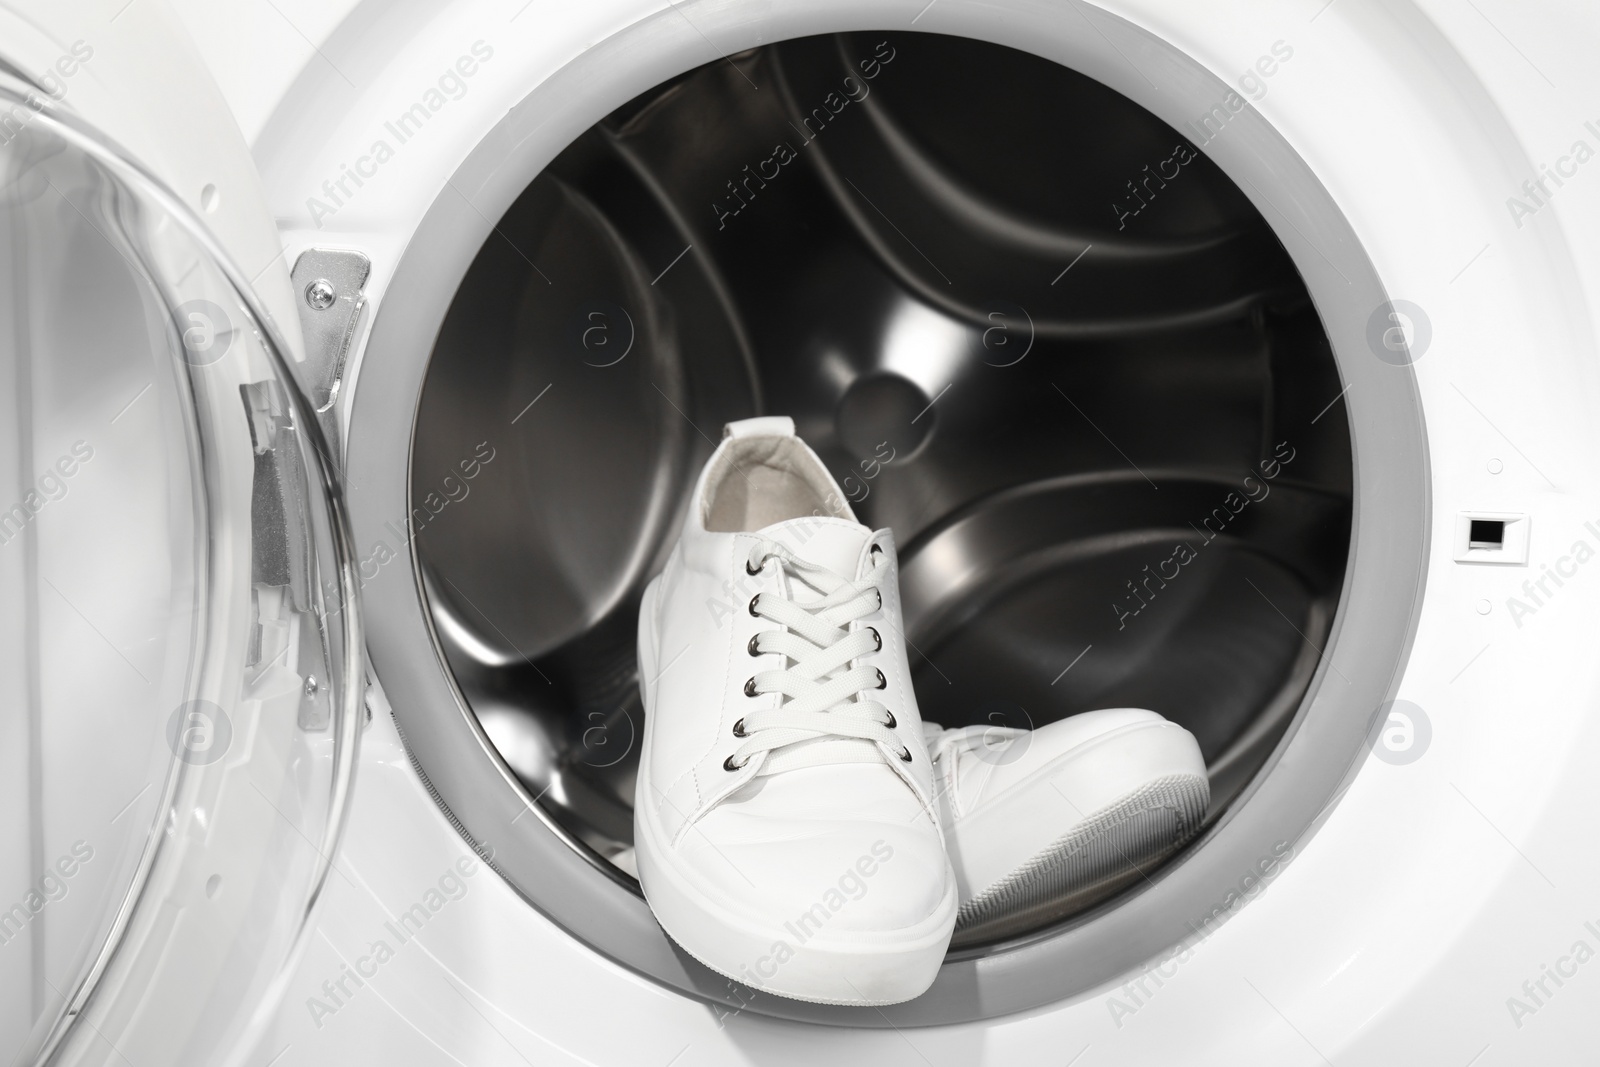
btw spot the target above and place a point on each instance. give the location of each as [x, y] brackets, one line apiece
[828, 542]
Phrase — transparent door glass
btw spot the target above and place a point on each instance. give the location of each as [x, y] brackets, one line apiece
[178, 653]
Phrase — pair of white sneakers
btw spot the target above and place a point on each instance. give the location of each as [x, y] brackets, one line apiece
[796, 826]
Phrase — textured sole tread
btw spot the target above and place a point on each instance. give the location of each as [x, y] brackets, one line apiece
[1107, 850]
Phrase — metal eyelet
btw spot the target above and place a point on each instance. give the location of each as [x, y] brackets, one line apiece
[754, 651]
[750, 687]
[738, 729]
[891, 724]
[883, 683]
[757, 597]
[729, 765]
[905, 754]
[880, 599]
[752, 571]
[876, 636]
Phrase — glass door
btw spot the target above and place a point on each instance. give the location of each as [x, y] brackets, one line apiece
[179, 640]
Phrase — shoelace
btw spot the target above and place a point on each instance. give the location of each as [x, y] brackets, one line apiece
[824, 692]
[947, 746]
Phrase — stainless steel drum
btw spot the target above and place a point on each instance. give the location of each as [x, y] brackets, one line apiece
[1028, 325]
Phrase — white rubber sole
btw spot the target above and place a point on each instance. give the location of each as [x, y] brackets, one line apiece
[886, 967]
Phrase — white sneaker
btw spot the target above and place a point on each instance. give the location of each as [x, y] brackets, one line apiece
[784, 824]
[1036, 821]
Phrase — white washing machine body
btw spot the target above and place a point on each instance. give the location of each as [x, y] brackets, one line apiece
[1439, 907]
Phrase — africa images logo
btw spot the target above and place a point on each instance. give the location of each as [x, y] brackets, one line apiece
[338, 990]
[51, 486]
[1252, 491]
[199, 732]
[851, 90]
[51, 887]
[205, 331]
[450, 85]
[1399, 332]
[851, 885]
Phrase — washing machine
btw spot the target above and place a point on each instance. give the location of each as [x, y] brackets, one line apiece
[1230, 361]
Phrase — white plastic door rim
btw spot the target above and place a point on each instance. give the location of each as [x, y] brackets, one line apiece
[180, 639]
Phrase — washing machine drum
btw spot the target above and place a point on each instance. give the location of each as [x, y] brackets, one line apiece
[1079, 376]
[179, 668]
[995, 436]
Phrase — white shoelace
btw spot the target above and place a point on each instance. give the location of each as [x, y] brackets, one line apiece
[824, 693]
[947, 746]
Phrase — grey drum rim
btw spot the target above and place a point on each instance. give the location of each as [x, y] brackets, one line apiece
[1318, 756]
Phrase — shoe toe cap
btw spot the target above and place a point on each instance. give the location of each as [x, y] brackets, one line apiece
[836, 868]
